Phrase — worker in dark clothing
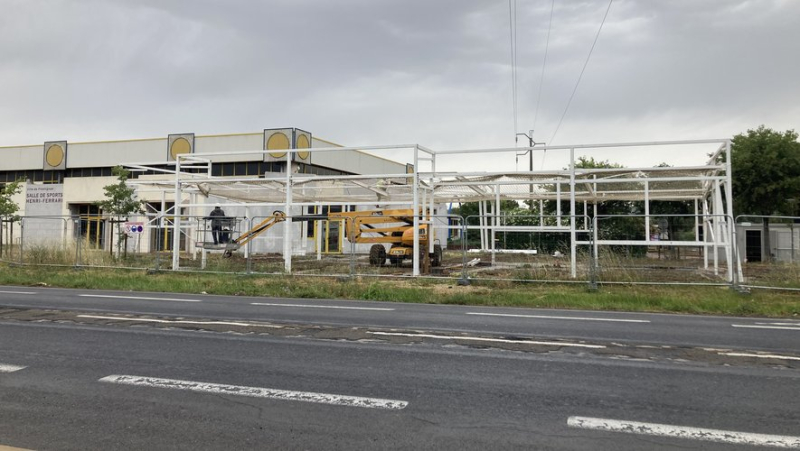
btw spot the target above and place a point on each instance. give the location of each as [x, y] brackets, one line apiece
[217, 218]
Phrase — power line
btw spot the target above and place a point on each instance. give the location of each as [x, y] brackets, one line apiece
[544, 64]
[582, 70]
[512, 34]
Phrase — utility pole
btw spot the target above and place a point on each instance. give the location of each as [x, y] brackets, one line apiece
[531, 144]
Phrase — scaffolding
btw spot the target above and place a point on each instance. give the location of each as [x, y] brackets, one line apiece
[430, 180]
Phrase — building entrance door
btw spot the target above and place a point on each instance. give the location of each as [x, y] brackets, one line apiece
[753, 245]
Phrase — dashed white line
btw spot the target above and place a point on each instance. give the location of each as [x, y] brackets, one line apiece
[685, 432]
[752, 326]
[579, 318]
[491, 340]
[6, 368]
[256, 392]
[138, 298]
[18, 292]
[165, 321]
[760, 356]
[323, 306]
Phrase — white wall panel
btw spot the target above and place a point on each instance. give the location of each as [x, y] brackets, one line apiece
[230, 143]
[22, 158]
[112, 153]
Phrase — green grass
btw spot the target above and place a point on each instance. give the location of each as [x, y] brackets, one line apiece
[634, 298]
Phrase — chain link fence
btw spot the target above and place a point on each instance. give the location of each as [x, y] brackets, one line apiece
[769, 249]
[669, 249]
[530, 248]
[627, 249]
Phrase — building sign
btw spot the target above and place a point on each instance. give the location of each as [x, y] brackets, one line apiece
[44, 200]
[43, 214]
[133, 228]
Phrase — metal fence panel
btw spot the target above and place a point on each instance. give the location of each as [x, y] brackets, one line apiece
[773, 262]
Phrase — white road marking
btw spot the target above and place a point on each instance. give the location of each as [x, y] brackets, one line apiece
[685, 432]
[491, 340]
[138, 298]
[256, 392]
[18, 292]
[751, 326]
[760, 356]
[781, 324]
[580, 318]
[165, 321]
[323, 306]
[6, 368]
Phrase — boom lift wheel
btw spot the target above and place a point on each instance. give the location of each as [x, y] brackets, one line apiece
[377, 255]
[436, 259]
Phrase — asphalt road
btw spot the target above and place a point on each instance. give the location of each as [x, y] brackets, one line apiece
[656, 329]
[70, 385]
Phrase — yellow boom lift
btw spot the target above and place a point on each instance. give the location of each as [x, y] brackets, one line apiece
[379, 227]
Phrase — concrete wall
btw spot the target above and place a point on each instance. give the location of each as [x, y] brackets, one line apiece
[21, 158]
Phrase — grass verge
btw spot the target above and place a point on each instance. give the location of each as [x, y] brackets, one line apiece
[635, 298]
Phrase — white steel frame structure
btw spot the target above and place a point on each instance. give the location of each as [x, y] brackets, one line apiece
[708, 186]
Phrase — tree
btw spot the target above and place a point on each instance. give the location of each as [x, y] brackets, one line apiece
[120, 202]
[7, 206]
[766, 174]
[616, 219]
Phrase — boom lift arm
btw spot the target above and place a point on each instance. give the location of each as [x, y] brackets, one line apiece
[263, 226]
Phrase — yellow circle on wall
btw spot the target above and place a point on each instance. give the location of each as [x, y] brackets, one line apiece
[278, 141]
[180, 146]
[54, 156]
[302, 143]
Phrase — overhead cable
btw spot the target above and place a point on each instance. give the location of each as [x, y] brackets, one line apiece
[544, 64]
[512, 32]
[551, 141]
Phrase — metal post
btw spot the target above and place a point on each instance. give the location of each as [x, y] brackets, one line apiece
[594, 237]
[287, 225]
[558, 200]
[464, 278]
[573, 247]
[490, 232]
[647, 212]
[481, 221]
[159, 231]
[176, 221]
[318, 232]
[496, 222]
[725, 232]
[415, 260]
[248, 250]
[715, 218]
[249, 224]
[21, 240]
[541, 212]
[78, 242]
[353, 252]
[729, 201]
[706, 233]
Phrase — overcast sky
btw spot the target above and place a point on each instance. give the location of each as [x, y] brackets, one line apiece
[371, 72]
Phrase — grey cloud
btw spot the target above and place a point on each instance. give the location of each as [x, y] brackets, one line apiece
[379, 71]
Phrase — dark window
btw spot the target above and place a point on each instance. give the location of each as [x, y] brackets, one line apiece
[227, 169]
[253, 169]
